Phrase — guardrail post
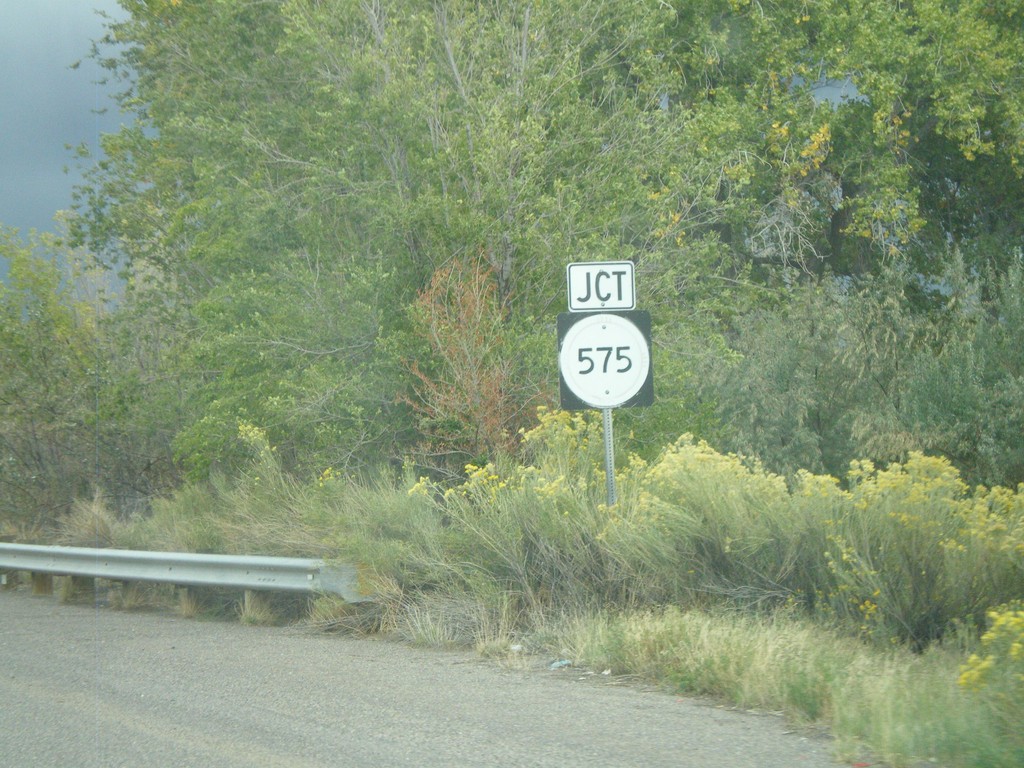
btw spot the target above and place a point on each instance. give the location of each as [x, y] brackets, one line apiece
[80, 584]
[188, 601]
[8, 579]
[256, 607]
[255, 603]
[42, 584]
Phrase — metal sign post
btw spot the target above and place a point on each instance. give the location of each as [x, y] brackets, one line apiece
[609, 456]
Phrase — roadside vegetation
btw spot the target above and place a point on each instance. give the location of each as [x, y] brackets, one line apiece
[885, 607]
[305, 304]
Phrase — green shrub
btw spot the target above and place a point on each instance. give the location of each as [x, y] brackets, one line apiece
[727, 530]
[186, 521]
[383, 522]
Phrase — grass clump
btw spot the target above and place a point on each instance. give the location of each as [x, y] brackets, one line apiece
[189, 603]
[766, 663]
[90, 523]
[905, 708]
[256, 609]
[328, 613]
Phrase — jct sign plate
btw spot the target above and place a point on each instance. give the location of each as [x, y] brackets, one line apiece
[604, 360]
[600, 286]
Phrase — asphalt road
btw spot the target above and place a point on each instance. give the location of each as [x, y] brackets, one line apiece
[83, 687]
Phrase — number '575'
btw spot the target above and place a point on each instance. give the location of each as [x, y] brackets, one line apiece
[593, 357]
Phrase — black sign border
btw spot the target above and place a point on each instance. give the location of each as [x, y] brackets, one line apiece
[641, 318]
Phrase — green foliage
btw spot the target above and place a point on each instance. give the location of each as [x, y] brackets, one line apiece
[920, 125]
[851, 369]
[47, 368]
[965, 400]
[317, 200]
[408, 138]
[88, 392]
[276, 352]
[786, 397]
[395, 141]
[785, 578]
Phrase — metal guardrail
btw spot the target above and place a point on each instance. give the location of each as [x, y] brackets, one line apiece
[287, 574]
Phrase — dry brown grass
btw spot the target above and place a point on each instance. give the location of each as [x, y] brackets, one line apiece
[90, 523]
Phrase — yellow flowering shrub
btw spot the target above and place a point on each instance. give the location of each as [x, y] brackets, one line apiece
[254, 437]
[727, 522]
[916, 550]
[536, 527]
[568, 445]
[996, 672]
[1001, 657]
[264, 465]
[900, 553]
[996, 516]
[542, 527]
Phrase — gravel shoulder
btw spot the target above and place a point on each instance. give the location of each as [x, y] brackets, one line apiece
[89, 686]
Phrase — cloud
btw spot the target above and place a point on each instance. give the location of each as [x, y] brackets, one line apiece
[46, 105]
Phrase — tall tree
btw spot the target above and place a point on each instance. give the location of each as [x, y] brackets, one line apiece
[303, 171]
[47, 366]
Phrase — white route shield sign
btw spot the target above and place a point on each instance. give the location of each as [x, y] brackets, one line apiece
[604, 360]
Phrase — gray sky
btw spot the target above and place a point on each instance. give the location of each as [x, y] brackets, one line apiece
[45, 105]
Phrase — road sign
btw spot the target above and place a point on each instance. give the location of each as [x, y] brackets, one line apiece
[600, 286]
[604, 360]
